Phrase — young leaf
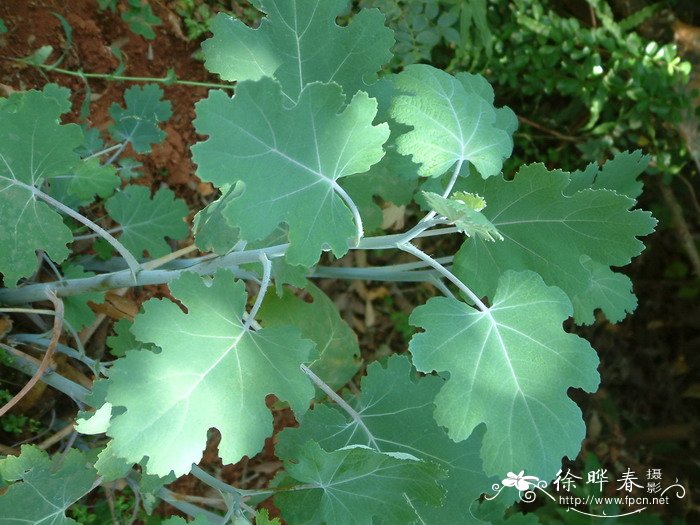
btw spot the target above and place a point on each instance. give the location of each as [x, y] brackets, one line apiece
[146, 221]
[138, 122]
[319, 321]
[373, 484]
[43, 487]
[262, 517]
[34, 147]
[211, 372]
[510, 367]
[396, 412]
[141, 18]
[467, 220]
[290, 160]
[453, 119]
[298, 43]
[548, 232]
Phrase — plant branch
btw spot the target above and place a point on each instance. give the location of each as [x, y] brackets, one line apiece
[342, 403]
[353, 208]
[57, 328]
[207, 265]
[29, 366]
[167, 80]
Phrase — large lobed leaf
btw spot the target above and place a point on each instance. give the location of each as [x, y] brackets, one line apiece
[571, 240]
[453, 119]
[290, 160]
[34, 146]
[396, 415]
[355, 485]
[510, 367]
[298, 43]
[211, 372]
[43, 488]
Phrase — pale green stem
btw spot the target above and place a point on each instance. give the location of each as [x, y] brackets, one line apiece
[341, 403]
[116, 229]
[267, 268]
[353, 208]
[189, 508]
[104, 151]
[121, 78]
[409, 248]
[448, 189]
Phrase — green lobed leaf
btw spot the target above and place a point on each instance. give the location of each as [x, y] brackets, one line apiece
[43, 487]
[394, 177]
[453, 119]
[211, 372]
[467, 220]
[320, 322]
[619, 174]
[138, 122]
[123, 340]
[396, 411]
[510, 367]
[262, 517]
[146, 221]
[87, 180]
[355, 485]
[290, 160]
[34, 147]
[548, 232]
[299, 43]
[141, 18]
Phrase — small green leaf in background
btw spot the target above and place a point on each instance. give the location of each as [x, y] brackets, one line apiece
[87, 180]
[146, 221]
[141, 18]
[510, 367]
[319, 321]
[211, 372]
[77, 311]
[138, 123]
[371, 483]
[43, 488]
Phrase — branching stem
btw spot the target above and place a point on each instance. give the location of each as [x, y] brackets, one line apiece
[409, 248]
[57, 328]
